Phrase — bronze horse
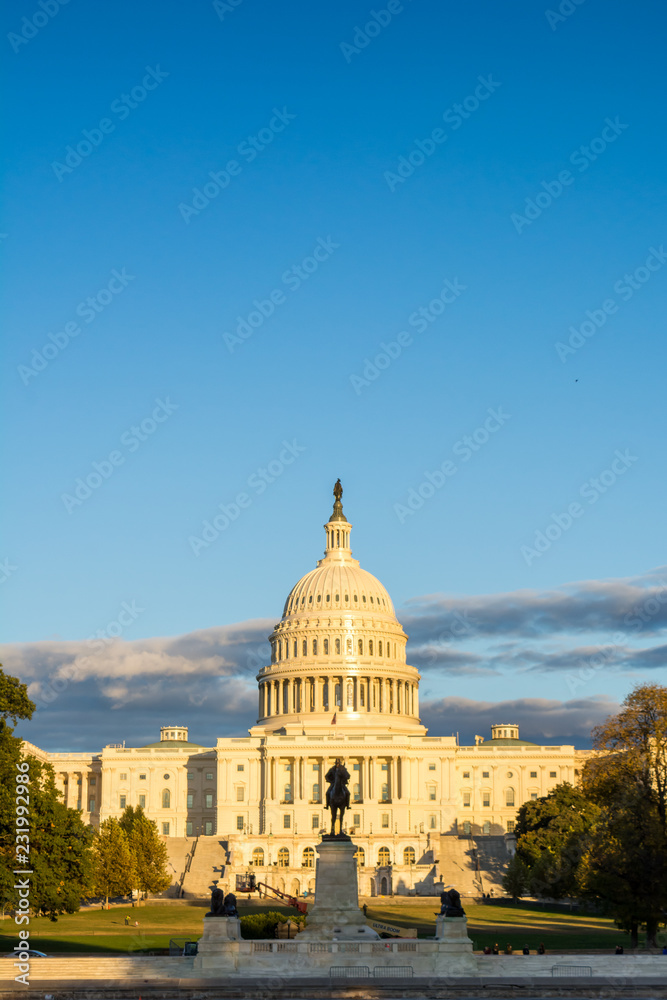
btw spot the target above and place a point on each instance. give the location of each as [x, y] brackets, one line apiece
[338, 794]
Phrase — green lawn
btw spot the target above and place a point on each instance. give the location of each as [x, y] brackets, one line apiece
[97, 930]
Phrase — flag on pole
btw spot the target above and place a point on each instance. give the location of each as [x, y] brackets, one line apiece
[333, 721]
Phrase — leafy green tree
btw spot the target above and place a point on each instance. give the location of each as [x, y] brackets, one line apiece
[114, 867]
[516, 880]
[14, 705]
[150, 852]
[551, 837]
[626, 862]
[54, 843]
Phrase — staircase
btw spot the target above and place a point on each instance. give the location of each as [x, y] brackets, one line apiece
[493, 857]
[208, 863]
[178, 849]
[458, 864]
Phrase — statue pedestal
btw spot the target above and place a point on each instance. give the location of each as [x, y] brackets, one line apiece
[335, 914]
[214, 950]
[455, 955]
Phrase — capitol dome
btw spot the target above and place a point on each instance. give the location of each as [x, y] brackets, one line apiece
[338, 652]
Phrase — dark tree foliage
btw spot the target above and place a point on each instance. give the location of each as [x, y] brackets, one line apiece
[56, 840]
[626, 862]
[551, 836]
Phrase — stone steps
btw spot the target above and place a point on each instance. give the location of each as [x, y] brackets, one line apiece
[208, 864]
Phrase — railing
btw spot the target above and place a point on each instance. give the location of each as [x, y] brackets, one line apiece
[349, 972]
[571, 970]
[393, 972]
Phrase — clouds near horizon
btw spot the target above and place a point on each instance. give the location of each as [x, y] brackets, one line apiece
[97, 690]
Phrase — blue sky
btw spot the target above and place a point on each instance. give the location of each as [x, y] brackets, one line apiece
[514, 153]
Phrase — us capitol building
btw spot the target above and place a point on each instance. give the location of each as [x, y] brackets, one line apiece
[423, 810]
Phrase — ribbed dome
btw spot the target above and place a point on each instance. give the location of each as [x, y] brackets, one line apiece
[338, 586]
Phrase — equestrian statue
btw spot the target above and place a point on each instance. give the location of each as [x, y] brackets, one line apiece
[338, 796]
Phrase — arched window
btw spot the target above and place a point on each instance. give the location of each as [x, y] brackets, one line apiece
[384, 857]
[314, 647]
[283, 857]
[350, 694]
[296, 648]
[325, 695]
[338, 647]
[337, 694]
[258, 857]
[349, 647]
[362, 695]
[326, 647]
[360, 647]
[380, 648]
[509, 797]
[166, 799]
[370, 647]
[308, 857]
[304, 647]
[409, 856]
[285, 699]
[361, 857]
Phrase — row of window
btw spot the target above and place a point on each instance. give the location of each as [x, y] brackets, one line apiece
[166, 800]
[144, 777]
[510, 774]
[296, 605]
[308, 857]
[486, 827]
[486, 798]
[280, 646]
[316, 821]
[190, 829]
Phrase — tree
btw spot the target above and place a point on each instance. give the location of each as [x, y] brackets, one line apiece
[150, 853]
[551, 836]
[37, 832]
[114, 867]
[626, 863]
[516, 880]
[14, 705]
